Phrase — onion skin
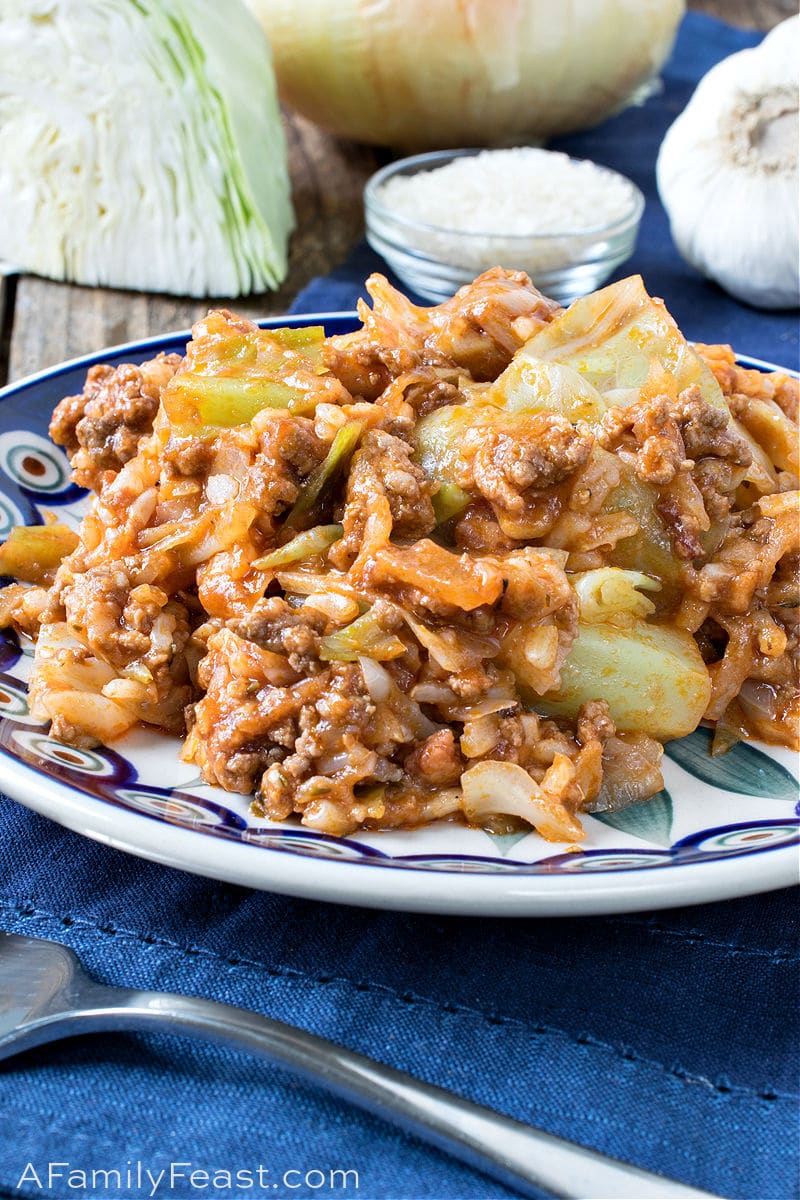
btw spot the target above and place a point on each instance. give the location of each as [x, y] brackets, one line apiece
[421, 75]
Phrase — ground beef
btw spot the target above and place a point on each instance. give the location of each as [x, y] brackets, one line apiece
[686, 448]
[755, 543]
[301, 743]
[436, 762]
[288, 451]
[366, 368]
[276, 626]
[487, 321]
[664, 436]
[247, 718]
[741, 383]
[101, 429]
[505, 467]
[122, 620]
[383, 466]
[477, 530]
[189, 456]
[428, 389]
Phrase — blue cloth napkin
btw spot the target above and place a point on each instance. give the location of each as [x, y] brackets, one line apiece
[666, 1039]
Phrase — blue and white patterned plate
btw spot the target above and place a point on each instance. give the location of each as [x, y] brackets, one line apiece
[722, 827]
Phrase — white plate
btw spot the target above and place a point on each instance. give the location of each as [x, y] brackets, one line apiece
[723, 827]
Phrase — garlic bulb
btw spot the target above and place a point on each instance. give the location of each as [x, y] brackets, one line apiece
[728, 175]
[429, 74]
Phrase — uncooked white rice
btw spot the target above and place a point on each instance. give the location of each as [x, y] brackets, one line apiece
[507, 196]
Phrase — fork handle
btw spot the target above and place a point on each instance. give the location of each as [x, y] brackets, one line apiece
[525, 1159]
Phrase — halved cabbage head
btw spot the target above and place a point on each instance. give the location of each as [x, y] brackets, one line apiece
[141, 146]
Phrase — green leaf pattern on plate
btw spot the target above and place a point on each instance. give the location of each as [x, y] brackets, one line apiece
[743, 769]
[505, 842]
[650, 820]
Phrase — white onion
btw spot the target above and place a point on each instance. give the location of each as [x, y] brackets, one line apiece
[433, 693]
[430, 74]
[383, 690]
[491, 788]
[377, 679]
[479, 736]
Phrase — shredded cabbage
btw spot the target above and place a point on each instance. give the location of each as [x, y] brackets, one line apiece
[141, 146]
[333, 464]
[304, 545]
[363, 637]
[236, 376]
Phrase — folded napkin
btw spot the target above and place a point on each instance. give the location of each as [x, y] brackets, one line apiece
[667, 1039]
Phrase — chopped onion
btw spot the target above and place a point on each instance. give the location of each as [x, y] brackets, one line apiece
[227, 525]
[492, 787]
[305, 583]
[383, 690]
[221, 488]
[433, 693]
[492, 703]
[377, 679]
[337, 608]
[454, 650]
[479, 736]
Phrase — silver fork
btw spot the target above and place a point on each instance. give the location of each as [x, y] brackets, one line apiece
[45, 995]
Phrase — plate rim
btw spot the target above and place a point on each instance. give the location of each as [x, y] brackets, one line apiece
[397, 888]
[339, 881]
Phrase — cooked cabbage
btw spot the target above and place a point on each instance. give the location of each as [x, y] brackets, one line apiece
[141, 146]
[652, 676]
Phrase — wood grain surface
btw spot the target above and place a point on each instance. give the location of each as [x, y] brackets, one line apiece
[42, 322]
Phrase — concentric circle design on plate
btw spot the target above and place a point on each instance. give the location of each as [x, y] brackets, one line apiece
[740, 839]
[465, 864]
[179, 808]
[624, 860]
[33, 462]
[48, 753]
[315, 845]
[714, 831]
[14, 701]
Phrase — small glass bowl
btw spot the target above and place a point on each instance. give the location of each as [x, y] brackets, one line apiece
[435, 261]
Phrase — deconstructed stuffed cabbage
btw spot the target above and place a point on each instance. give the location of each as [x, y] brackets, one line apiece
[612, 337]
[503, 620]
[141, 146]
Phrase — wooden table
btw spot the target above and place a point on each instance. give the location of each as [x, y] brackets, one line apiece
[42, 322]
